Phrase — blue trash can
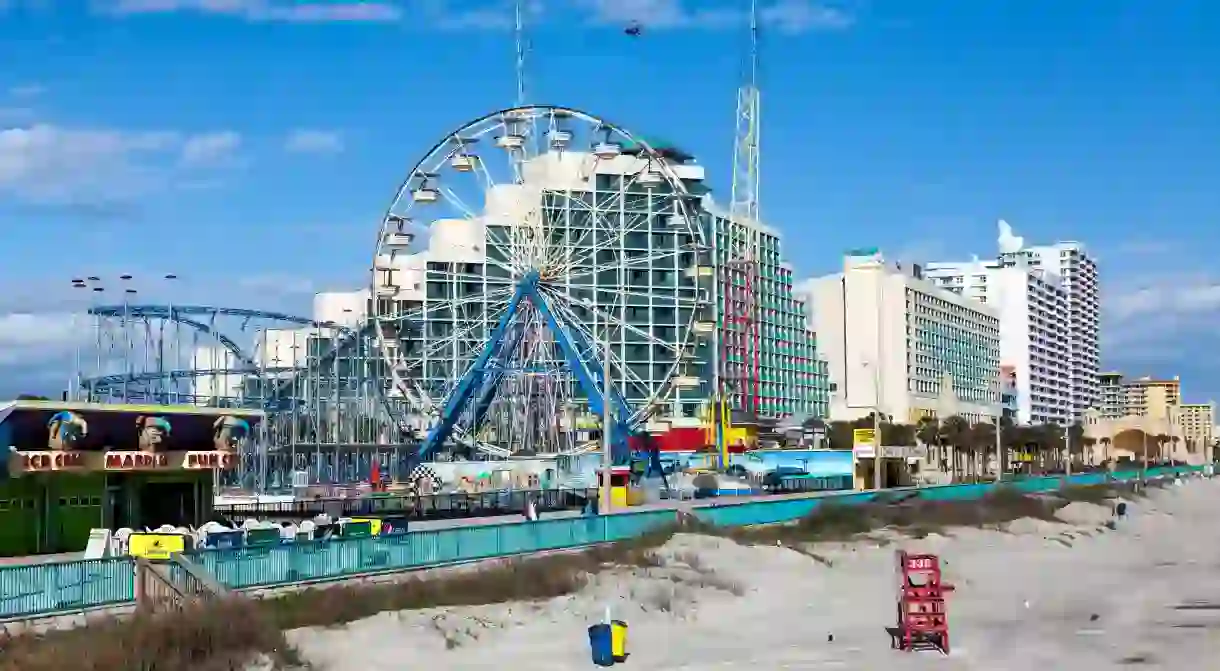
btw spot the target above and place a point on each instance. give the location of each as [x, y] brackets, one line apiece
[601, 644]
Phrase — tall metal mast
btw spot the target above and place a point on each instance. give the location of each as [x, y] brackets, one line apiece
[519, 41]
[740, 352]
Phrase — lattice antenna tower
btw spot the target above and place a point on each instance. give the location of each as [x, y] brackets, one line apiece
[740, 352]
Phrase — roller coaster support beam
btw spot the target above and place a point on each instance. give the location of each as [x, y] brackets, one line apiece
[498, 350]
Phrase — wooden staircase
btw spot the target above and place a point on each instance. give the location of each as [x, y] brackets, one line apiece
[174, 584]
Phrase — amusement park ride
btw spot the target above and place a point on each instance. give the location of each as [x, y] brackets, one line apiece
[587, 286]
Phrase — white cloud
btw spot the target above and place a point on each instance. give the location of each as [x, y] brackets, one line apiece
[788, 16]
[1186, 295]
[210, 148]
[264, 10]
[46, 163]
[798, 16]
[306, 141]
[29, 338]
[1167, 318]
[50, 163]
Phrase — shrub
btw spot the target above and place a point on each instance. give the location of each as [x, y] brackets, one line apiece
[223, 635]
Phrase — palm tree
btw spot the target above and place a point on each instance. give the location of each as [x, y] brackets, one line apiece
[1173, 440]
[982, 440]
[1105, 449]
[955, 433]
[1049, 442]
[927, 432]
[1008, 431]
[1089, 442]
[840, 435]
[1161, 440]
[897, 434]
[1075, 433]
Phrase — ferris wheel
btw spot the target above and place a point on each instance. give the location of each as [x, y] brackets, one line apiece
[527, 256]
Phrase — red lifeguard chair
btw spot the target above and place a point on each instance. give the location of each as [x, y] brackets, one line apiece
[923, 621]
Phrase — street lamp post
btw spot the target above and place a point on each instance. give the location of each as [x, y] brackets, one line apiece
[1067, 444]
[607, 452]
[128, 295]
[1144, 433]
[878, 472]
[74, 378]
[171, 391]
[98, 291]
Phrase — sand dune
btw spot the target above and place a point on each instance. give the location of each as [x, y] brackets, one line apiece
[1039, 595]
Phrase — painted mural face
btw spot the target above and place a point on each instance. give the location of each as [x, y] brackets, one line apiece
[154, 433]
[66, 430]
[229, 433]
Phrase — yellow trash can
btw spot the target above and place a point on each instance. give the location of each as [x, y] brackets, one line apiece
[618, 640]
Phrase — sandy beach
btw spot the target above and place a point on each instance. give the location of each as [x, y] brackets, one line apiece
[1038, 595]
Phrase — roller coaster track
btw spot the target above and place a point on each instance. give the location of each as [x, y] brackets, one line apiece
[280, 397]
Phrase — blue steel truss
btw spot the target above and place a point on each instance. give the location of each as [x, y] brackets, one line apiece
[279, 397]
[479, 382]
[476, 390]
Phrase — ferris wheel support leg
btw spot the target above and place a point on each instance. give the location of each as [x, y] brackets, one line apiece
[473, 378]
[479, 382]
[492, 374]
[589, 381]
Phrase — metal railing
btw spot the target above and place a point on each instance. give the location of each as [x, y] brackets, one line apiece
[60, 587]
[41, 590]
[173, 584]
[302, 561]
[421, 507]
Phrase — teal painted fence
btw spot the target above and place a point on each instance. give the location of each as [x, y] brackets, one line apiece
[44, 589]
[40, 589]
[244, 568]
[786, 510]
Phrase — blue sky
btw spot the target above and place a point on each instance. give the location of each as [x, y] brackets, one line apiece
[250, 146]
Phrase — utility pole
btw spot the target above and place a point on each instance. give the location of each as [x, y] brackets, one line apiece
[1144, 475]
[1001, 454]
[878, 443]
[878, 471]
[607, 456]
[1067, 443]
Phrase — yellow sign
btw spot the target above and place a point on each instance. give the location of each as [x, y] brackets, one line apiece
[864, 442]
[864, 437]
[155, 546]
[374, 524]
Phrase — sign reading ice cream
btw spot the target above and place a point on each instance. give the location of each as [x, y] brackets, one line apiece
[33, 462]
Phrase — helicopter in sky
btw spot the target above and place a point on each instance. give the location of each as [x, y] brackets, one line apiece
[634, 29]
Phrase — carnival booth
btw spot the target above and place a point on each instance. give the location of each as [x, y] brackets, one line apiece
[75, 467]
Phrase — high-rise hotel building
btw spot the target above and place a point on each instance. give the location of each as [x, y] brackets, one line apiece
[1049, 303]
